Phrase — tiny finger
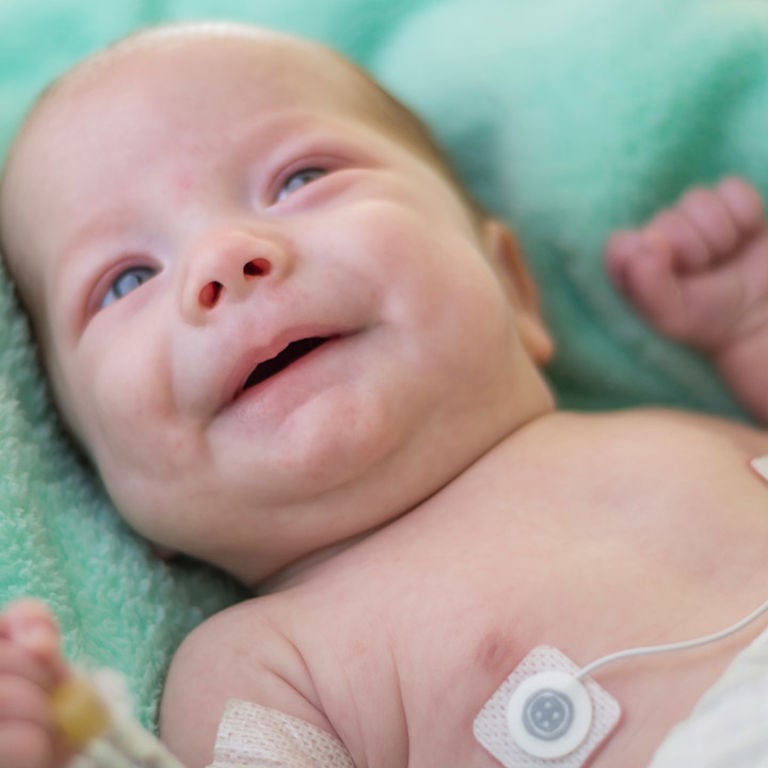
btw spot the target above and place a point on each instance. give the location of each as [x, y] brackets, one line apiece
[744, 203]
[708, 213]
[15, 660]
[654, 287]
[673, 230]
[24, 745]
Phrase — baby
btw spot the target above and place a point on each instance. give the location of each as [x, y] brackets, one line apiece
[294, 347]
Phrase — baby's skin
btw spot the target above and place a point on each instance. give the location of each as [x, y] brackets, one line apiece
[396, 643]
[568, 533]
[410, 584]
[31, 667]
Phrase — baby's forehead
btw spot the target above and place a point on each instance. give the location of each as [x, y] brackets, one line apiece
[179, 58]
[263, 53]
[209, 73]
[164, 57]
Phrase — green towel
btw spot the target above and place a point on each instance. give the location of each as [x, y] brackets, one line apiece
[567, 117]
[573, 117]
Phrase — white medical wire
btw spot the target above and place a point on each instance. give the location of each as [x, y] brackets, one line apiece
[679, 646]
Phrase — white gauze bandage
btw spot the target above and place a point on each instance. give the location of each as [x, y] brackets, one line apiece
[252, 736]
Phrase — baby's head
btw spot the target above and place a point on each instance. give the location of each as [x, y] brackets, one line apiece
[269, 313]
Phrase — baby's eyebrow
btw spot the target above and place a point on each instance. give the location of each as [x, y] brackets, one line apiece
[99, 226]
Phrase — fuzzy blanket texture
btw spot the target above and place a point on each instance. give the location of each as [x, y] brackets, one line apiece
[566, 117]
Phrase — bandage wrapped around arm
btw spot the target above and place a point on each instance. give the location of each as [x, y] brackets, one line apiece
[252, 736]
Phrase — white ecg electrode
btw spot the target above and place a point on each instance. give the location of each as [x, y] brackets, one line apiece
[549, 709]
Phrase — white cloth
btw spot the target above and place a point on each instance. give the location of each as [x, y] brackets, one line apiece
[252, 736]
[728, 728]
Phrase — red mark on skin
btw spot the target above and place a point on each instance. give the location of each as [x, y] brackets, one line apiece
[182, 185]
[183, 181]
[495, 653]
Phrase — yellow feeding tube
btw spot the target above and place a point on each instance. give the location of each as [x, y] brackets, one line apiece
[79, 712]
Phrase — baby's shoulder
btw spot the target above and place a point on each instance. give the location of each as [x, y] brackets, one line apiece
[631, 443]
[686, 428]
[652, 426]
[240, 653]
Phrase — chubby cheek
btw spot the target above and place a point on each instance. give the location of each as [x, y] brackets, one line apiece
[122, 400]
[443, 290]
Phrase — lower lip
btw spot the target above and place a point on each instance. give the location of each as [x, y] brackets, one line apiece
[293, 382]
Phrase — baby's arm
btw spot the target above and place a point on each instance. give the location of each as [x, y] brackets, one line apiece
[30, 668]
[239, 658]
[698, 272]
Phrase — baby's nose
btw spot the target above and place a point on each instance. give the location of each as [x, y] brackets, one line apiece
[227, 266]
[211, 292]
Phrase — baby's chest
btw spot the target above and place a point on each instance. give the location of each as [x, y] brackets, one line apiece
[600, 561]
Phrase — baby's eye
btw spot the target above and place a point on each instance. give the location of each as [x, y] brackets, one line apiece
[127, 281]
[299, 179]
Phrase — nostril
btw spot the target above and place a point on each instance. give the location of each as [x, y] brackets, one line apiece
[209, 294]
[256, 268]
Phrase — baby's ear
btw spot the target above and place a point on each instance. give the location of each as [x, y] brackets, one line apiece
[507, 259]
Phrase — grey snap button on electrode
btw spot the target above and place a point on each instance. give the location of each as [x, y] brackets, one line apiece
[549, 714]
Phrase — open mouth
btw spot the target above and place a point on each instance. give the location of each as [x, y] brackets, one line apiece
[293, 352]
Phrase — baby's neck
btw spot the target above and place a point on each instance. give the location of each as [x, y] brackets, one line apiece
[303, 567]
[294, 572]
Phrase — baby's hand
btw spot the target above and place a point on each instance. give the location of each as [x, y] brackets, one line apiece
[30, 668]
[698, 271]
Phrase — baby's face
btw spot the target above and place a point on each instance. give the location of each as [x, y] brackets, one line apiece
[273, 324]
